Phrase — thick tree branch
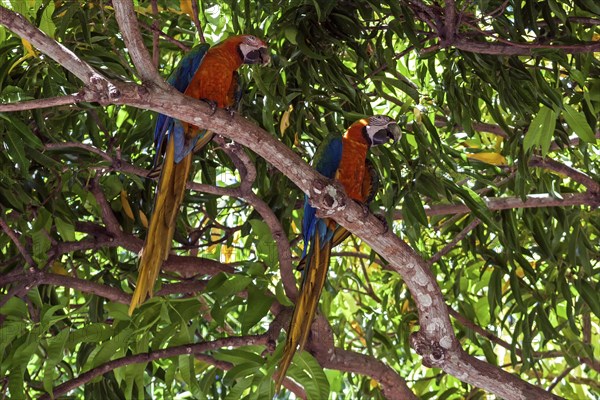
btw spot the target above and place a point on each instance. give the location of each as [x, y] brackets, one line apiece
[59, 53]
[128, 24]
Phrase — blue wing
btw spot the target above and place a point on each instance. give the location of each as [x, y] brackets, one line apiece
[327, 160]
[180, 78]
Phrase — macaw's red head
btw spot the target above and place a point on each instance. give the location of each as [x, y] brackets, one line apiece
[251, 49]
[375, 130]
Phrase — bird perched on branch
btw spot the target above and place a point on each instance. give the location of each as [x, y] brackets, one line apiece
[205, 73]
[343, 158]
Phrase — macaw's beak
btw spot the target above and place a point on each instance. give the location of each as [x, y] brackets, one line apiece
[258, 56]
[390, 132]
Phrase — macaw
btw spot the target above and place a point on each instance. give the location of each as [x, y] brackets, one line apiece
[343, 158]
[205, 73]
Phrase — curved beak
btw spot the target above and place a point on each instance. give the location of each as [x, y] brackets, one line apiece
[391, 132]
[258, 56]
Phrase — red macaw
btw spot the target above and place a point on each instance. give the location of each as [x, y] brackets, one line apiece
[343, 158]
[205, 73]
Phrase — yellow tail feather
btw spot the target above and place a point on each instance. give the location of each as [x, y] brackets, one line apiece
[169, 196]
[306, 307]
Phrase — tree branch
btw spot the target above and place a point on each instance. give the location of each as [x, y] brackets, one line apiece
[437, 256]
[59, 53]
[507, 203]
[41, 103]
[521, 49]
[15, 239]
[563, 169]
[128, 24]
[190, 349]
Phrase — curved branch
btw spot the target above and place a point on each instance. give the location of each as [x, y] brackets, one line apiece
[59, 53]
[190, 349]
[563, 169]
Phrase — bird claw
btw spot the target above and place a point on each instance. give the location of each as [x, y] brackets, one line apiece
[386, 227]
[231, 111]
[365, 208]
[212, 104]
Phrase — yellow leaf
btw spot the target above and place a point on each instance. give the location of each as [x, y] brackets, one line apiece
[186, 7]
[29, 48]
[125, 204]
[418, 115]
[214, 237]
[498, 145]
[59, 269]
[358, 329]
[294, 227]
[405, 307]
[489, 158]
[520, 273]
[296, 140]
[226, 254]
[143, 219]
[373, 383]
[285, 119]
[373, 267]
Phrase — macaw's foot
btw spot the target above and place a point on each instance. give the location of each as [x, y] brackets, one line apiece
[386, 227]
[365, 208]
[231, 110]
[212, 104]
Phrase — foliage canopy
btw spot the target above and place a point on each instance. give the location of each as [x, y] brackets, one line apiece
[499, 101]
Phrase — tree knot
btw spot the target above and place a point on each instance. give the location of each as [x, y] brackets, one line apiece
[327, 196]
[432, 352]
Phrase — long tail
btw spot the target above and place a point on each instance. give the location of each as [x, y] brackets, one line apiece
[306, 306]
[169, 195]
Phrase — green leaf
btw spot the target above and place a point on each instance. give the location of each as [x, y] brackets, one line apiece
[576, 121]
[541, 130]
[258, 305]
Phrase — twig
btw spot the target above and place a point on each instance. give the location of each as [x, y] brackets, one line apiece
[461, 235]
[248, 173]
[507, 203]
[40, 103]
[108, 216]
[65, 57]
[15, 239]
[521, 49]
[165, 36]
[155, 30]
[560, 377]
[196, 20]
[363, 267]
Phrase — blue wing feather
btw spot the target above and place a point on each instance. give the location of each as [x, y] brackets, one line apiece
[327, 160]
[180, 78]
